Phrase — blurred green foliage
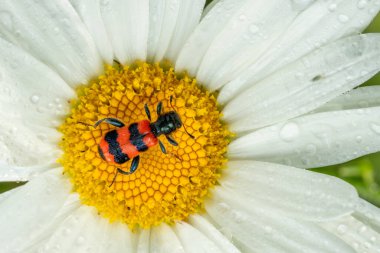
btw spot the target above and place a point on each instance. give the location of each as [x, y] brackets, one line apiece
[363, 173]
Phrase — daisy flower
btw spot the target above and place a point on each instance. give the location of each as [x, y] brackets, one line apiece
[261, 91]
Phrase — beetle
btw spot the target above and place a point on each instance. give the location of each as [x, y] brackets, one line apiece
[127, 142]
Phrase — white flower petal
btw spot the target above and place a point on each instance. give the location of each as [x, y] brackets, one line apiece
[188, 235]
[263, 230]
[188, 18]
[89, 12]
[127, 24]
[313, 140]
[23, 144]
[212, 4]
[248, 35]
[162, 21]
[191, 55]
[118, 238]
[322, 23]
[369, 214]
[143, 244]
[33, 208]
[358, 98]
[10, 173]
[8, 193]
[306, 84]
[293, 192]
[30, 90]
[204, 226]
[355, 233]
[81, 231]
[164, 240]
[52, 32]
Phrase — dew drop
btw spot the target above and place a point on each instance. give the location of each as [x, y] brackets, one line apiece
[238, 217]
[242, 17]
[361, 4]
[268, 229]
[343, 18]
[311, 149]
[289, 131]
[363, 72]
[34, 99]
[359, 139]
[105, 2]
[254, 29]
[342, 229]
[362, 229]
[80, 240]
[332, 7]
[66, 231]
[367, 245]
[375, 127]
[301, 4]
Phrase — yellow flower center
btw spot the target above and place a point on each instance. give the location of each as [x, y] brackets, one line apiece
[165, 187]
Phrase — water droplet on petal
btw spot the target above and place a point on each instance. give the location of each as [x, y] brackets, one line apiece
[34, 99]
[268, 229]
[362, 229]
[343, 18]
[375, 127]
[80, 240]
[289, 131]
[342, 229]
[361, 4]
[359, 139]
[254, 29]
[242, 17]
[311, 149]
[363, 72]
[105, 2]
[301, 4]
[332, 7]
[66, 231]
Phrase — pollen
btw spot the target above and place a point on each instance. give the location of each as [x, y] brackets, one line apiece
[165, 187]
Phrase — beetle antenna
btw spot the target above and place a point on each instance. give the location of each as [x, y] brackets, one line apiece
[171, 105]
[80, 122]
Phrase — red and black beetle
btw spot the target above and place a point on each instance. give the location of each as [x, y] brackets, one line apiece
[120, 145]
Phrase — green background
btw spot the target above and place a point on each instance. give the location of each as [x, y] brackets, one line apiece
[363, 173]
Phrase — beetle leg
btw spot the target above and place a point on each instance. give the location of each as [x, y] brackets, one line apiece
[163, 149]
[171, 140]
[111, 121]
[176, 156]
[114, 178]
[147, 111]
[134, 165]
[159, 108]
